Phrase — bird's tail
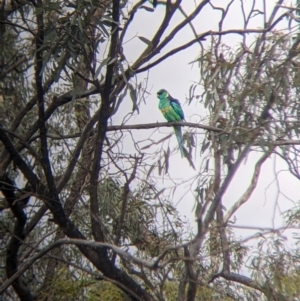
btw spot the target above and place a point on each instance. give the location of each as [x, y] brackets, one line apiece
[179, 137]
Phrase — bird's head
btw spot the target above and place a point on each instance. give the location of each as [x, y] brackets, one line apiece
[162, 93]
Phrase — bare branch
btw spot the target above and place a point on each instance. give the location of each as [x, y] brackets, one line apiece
[245, 197]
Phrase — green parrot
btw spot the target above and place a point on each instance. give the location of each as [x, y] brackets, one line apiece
[172, 111]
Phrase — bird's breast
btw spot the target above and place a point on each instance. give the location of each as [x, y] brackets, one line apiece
[165, 110]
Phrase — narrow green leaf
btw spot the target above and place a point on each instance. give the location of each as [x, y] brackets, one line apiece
[102, 64]
[133, 97]
[80, 25]
[150, 9]
[112, 61]
[150, 171]
[204, 146]
[146, 41]
[102, 28]
[159, 167]
[167, 156]
[123, 73]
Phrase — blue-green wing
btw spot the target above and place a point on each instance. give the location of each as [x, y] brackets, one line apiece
[177, 107]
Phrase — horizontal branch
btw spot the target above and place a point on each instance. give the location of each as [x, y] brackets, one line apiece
[163, 124]
[145, 126]
[239, 279]
[285, 142]
[265, 229]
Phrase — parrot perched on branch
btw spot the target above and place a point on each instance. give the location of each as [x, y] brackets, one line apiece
[172, 111]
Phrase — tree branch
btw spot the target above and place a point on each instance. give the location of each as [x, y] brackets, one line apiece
[202, 37]
[16, 239]
[245, 197]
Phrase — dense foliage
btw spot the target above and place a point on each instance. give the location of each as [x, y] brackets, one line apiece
[87, 211]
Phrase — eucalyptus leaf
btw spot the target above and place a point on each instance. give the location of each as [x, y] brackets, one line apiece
[145, 40]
